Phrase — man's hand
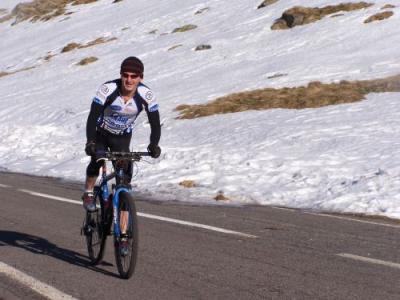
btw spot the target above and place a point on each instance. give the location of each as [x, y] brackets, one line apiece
[90, 148]
[154, 150]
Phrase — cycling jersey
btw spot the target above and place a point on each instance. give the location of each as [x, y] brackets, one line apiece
[119, 117]
[111, 114]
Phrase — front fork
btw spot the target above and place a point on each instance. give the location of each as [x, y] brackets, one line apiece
[116, 212]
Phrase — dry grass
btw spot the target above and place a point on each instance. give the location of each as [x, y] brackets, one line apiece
[174, 47]
[202, 10]
[87, 60]
[386, 6]
[300, 15]
[379, 16]
[202, 47]
[266, 3]
[184, 28]
[41, 10]
[2, 74]
[187, 183]
[72, 46]
[315, 94]
[221, 197]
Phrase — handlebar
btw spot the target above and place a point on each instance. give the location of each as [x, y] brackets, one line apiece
[113, 156]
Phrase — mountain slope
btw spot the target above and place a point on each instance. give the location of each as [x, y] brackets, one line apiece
[337, 158]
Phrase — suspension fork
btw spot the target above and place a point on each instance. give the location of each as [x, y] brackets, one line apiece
[116, 211]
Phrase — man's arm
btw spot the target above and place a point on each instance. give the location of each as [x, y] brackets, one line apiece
[154, 120]
[95, 111]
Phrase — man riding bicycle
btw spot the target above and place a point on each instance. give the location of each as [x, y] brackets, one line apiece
[111, 118]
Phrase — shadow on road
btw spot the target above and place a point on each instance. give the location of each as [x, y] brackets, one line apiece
[42, 246]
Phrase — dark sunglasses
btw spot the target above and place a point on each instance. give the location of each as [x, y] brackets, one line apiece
[133, 76]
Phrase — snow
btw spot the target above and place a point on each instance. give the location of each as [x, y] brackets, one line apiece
[342, 158]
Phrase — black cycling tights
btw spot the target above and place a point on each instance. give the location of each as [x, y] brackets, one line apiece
[106, 141]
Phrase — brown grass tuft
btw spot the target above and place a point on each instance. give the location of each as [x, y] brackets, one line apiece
[202, 10]
[174, 47]
[202, 47]
[87, 60]
[379, 17]
[72, 46]
[386, 6]
[315, 94]
[185, 28]
[2, 74]
[221, 197]
[41, 10]
[266, 3]
[187, 183]
[300, 15]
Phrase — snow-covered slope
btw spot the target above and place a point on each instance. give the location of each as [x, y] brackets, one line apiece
[339, 158]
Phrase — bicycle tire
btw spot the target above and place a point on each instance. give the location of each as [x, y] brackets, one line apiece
[95, 231]
[126, 263]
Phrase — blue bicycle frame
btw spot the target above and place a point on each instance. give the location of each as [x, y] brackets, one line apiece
[115, 199]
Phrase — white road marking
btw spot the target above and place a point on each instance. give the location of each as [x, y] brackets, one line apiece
[34, 284]
[4, 186]
[370, 260]
[352, 219]
[149, 216]
[196, 225]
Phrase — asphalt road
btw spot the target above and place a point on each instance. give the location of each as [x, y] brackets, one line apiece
[294, 254]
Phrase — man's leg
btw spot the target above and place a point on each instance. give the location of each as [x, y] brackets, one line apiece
[92, 172]
[121, 143]
[90, 182]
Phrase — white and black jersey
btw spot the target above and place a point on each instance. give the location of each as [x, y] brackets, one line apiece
[110, 113]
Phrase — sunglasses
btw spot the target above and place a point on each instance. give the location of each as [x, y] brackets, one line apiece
[129, 76]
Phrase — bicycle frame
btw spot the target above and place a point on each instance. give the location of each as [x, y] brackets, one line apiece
[115, 199]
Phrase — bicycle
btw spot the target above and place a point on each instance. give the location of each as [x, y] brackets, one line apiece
[115, 209]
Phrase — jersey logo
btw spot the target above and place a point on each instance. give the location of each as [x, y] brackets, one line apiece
[148, 95]
[115, 107]
[104, 89]
[153, 108]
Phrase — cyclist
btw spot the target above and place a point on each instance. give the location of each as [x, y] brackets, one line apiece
[114, 109]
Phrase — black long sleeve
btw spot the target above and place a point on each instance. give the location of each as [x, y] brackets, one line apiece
[95, 112]
[154, 120]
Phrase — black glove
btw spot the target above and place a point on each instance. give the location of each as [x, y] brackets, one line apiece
[90, 148]
[154, 150]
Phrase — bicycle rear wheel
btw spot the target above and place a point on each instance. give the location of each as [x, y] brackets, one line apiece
[126, 262]
[94, 230]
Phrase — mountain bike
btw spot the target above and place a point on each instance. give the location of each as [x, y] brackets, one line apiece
[115, 214]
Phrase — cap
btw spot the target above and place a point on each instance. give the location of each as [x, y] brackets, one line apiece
[132, 64]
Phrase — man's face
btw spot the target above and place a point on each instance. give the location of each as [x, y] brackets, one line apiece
[130, 81]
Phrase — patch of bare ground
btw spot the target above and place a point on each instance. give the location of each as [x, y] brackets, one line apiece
[300, 15]
[72, 46]
[379, 17]
[41, 10]
[315, 94]
[87, 60]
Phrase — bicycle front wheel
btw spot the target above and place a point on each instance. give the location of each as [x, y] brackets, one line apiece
[126, 246]
[94, 230]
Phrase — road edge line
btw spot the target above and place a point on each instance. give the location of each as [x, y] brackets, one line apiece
[34, 284]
